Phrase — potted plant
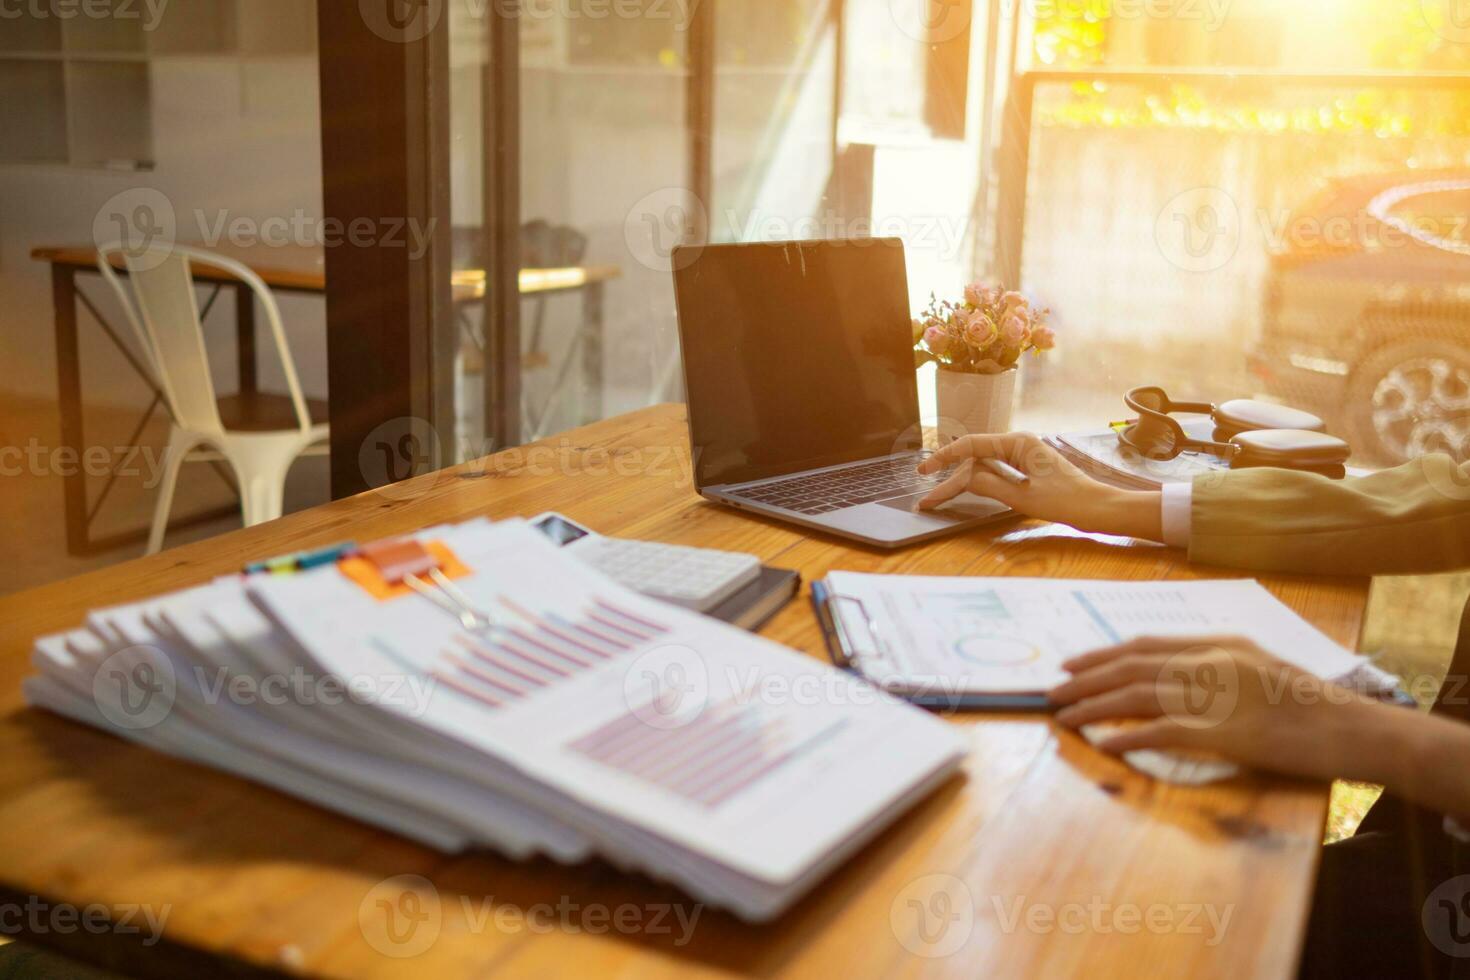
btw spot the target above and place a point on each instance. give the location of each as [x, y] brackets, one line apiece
[977, 345]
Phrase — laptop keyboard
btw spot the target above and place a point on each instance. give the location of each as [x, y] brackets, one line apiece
[822, 493]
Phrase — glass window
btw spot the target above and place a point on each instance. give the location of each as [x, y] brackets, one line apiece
[194, 124]
[1293, 229]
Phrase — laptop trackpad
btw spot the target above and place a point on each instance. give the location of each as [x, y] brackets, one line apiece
[965, 507]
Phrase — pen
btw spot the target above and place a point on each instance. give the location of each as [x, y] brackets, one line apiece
[1006, 472]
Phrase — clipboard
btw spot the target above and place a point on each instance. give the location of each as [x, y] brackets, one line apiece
[847, 652]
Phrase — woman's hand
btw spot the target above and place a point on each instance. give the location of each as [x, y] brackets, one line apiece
[1056, 491]
[1227, 695]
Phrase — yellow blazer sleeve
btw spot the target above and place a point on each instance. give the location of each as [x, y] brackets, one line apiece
[1412, 519]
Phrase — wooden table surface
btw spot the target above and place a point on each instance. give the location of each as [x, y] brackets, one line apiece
[1047, 859]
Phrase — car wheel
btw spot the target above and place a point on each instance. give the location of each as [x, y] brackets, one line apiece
[1410, 399]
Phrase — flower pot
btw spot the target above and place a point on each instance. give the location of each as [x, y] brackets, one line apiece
[975, 403]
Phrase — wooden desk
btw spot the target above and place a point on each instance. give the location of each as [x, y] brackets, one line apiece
[1041, 822]
[299, 269]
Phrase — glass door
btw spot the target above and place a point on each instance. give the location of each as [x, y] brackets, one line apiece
[590, 147]
[597, 145]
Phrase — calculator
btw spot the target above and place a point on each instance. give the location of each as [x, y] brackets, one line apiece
[695, 578]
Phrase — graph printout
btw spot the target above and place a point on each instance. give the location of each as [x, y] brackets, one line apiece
[946, 636]
[665, 721]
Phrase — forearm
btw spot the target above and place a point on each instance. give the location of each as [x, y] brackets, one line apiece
[1128, 513]
[1424, 758]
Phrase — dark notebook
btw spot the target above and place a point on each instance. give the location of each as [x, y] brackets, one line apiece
[754, 605]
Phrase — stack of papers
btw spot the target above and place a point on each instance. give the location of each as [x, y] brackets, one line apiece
[525, 704]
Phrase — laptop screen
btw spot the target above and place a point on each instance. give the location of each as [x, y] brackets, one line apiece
[796, 355]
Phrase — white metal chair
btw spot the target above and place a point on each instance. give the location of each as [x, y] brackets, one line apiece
[259, 435]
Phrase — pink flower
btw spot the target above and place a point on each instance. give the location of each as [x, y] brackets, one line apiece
[990, 297]
[979, 330]
[1014, 329]
[937, 341]
[918, 327]
[1013, 301]
[1044, 337]
[976, 294]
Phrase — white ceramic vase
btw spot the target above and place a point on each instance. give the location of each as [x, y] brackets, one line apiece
[976, 403]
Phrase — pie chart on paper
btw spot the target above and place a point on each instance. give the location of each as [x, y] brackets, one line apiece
[996, 651]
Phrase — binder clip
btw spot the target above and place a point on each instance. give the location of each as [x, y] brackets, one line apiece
[851, 652]
[390, 569]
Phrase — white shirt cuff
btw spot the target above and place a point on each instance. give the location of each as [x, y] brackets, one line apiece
[1177, 499]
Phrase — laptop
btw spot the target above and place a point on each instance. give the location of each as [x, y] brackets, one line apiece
[803, 397]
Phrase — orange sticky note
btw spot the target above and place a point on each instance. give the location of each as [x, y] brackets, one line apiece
[380, 568]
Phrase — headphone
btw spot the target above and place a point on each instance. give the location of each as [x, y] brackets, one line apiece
[1247, 433]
